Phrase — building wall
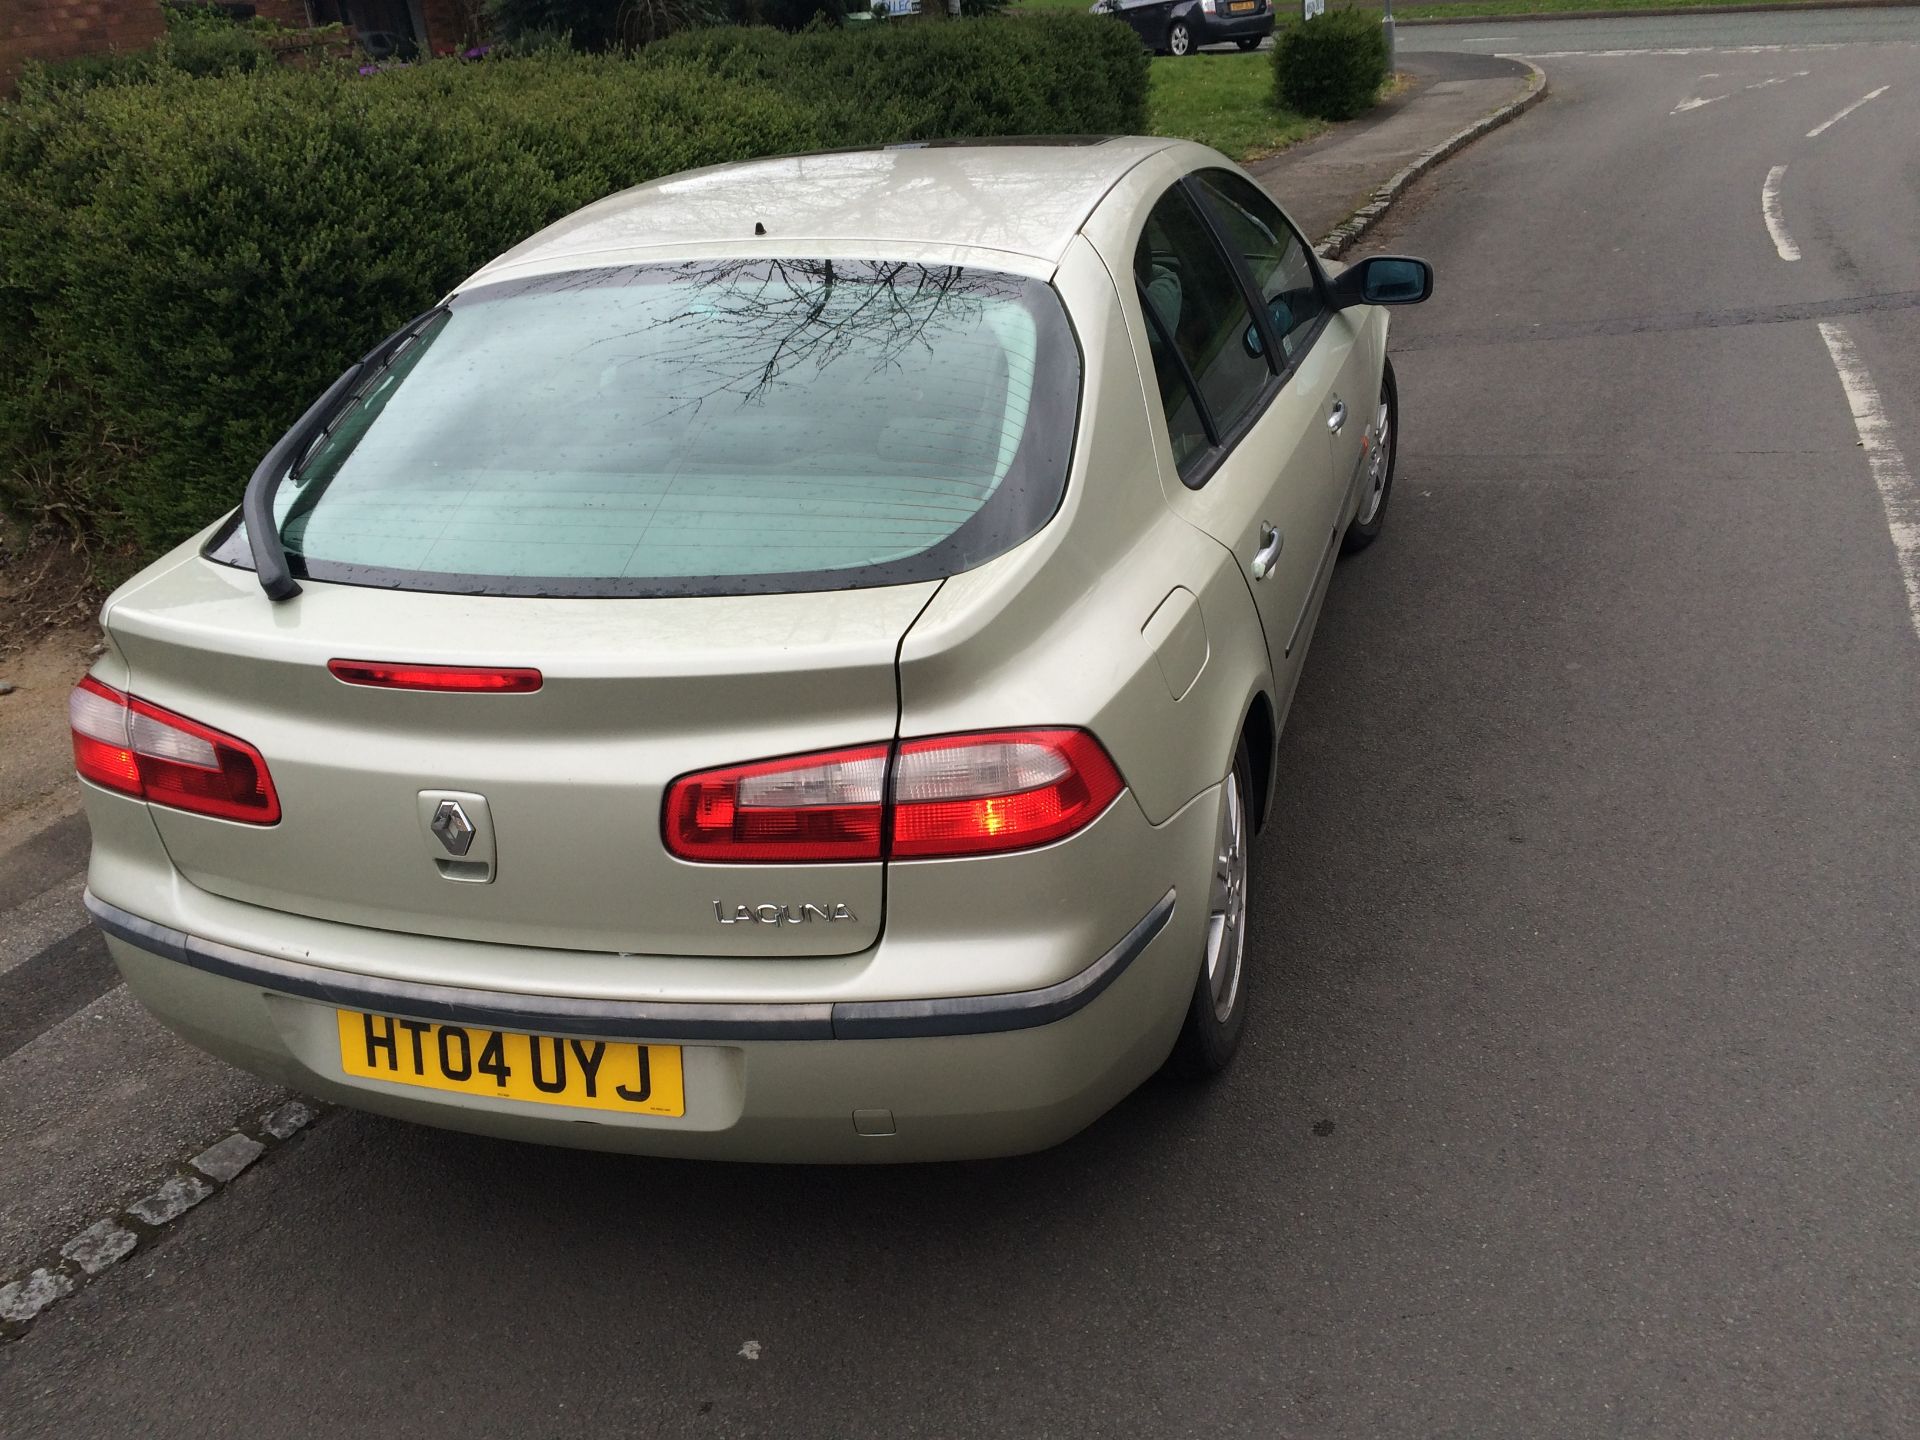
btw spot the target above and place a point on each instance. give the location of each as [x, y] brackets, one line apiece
[62, 29]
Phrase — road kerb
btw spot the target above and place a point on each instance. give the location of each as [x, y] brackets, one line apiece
[107, 1241]
[1343, 236]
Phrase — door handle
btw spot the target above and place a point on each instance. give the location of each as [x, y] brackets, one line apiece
[1271, 541]
[1337, 417]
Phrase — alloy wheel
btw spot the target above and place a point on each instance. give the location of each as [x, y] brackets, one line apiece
[1227, 905]
[1379, 464]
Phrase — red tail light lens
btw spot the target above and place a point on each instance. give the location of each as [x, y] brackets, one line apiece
[953, 795]
[461, 678]
[1008, 790]
[806, 808]
[123, 743]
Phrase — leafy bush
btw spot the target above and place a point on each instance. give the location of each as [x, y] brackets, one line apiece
[1040, 74]
[184, 264]
[83, 72]
[1332, 66]
[596, 25]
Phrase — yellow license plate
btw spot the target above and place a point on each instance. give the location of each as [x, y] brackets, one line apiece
[540, 1069]
[1240, 5]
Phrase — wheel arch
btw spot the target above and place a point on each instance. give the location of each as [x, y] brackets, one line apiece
[1260, 731]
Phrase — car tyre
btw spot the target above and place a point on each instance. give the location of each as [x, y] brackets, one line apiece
[1179, 39]
[1217, 1012]
[1371, 517]
[1250, 42]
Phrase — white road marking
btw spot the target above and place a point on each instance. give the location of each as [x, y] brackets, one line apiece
[1698, 100]
[1898, 494]
[1676, 50]
[1770, 212]
[1825, 125]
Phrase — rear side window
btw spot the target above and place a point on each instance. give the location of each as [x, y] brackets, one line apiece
[710, 427]
[1277, 257]
[1199, 307]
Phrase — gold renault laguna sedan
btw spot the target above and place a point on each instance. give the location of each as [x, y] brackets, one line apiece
[785, 664]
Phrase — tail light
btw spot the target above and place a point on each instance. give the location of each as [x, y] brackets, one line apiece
[809, 807]
[952, 795]
[122, 743]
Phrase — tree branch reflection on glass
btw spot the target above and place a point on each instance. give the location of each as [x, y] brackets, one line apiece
[877, 420]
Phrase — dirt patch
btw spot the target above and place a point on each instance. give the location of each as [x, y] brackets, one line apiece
[46, 588]
[36, 755]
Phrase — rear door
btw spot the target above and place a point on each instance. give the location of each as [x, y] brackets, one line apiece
[1247, 434]
[1316, 350]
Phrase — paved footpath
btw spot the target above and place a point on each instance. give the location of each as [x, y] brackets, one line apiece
[1322, 182]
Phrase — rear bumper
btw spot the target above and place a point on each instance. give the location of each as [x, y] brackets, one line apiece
[953, 1078]
[639, 1019]
[1221, 28]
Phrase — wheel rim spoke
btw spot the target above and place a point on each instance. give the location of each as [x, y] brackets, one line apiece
[1227, 908]
[1379, 464]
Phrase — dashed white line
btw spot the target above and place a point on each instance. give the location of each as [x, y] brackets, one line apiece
[1770, 212]
[1898, 494]
[1825, 125]
[1694, 104]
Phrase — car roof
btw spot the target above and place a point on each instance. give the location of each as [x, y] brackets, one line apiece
[1025, 196]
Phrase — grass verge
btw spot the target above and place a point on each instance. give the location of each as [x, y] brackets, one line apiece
[1225, 101]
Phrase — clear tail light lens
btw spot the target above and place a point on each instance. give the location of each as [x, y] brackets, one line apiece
[122, 743]
[952, 795]
[983, 794]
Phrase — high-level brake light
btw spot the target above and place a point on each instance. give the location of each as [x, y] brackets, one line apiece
[951, 795]
[463, 679]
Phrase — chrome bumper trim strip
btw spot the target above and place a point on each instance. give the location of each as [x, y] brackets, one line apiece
[641, 1019]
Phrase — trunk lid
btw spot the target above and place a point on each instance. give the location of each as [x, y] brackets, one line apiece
[634, 693]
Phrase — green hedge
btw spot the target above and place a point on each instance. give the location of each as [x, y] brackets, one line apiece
[1041, 74]
[1332, 66]
[185, 264]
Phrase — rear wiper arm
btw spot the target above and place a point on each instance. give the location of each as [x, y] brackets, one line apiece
[256, 509]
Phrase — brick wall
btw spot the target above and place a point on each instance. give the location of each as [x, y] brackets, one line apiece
[61, 29]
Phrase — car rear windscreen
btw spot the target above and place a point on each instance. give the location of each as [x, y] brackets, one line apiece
[706, 427]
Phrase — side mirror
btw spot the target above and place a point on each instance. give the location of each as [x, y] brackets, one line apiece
[1279, 317]
[1383, 280]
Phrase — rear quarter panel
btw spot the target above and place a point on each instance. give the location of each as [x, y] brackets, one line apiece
[1053, 632]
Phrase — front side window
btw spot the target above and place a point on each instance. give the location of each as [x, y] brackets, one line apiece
[1199, 314]
[706, 427]
[1282, 269]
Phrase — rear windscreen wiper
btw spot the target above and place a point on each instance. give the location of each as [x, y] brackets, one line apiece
[256, 509]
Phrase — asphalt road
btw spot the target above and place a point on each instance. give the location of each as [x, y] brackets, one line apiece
[1580, 1099]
